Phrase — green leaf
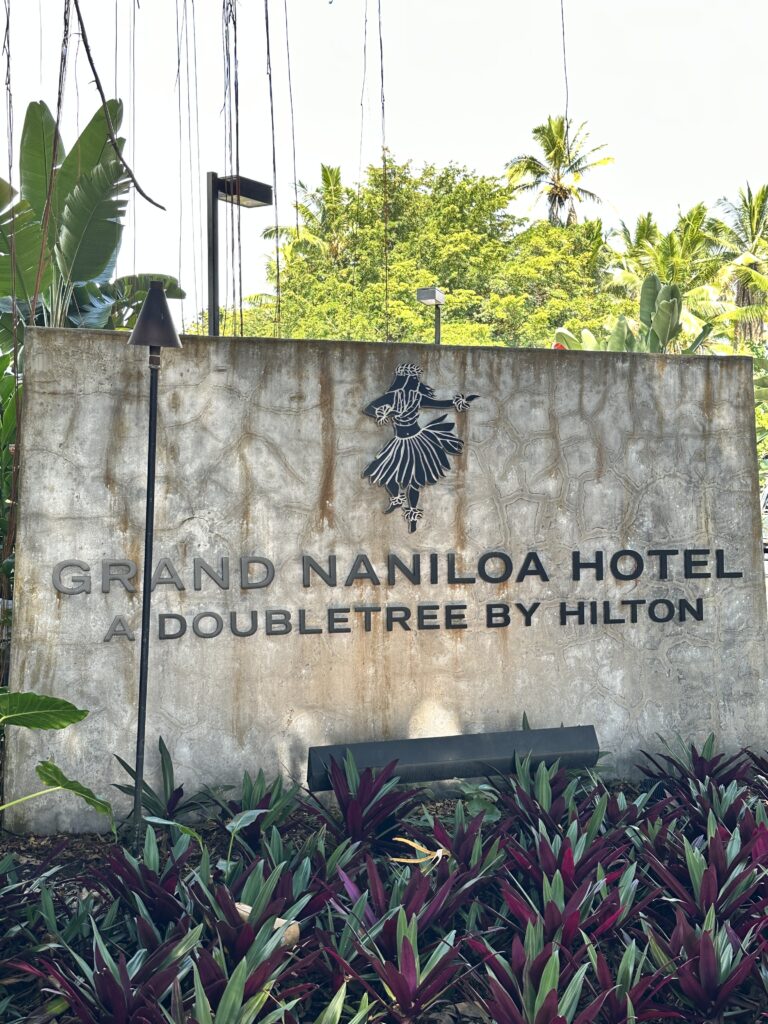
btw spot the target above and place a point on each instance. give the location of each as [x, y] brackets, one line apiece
[648, 294]
[202, 1006]
[231, 1001]
[151, 851]
[570, 998]
[588, 341]
[696, 866]
[7, 193]
[38, 138]
[51, 775]
[37, 711]
[244, 819]
[91, 224]
[332, 1013]
[701, 337]
[666, 323]
[549, 979]
[91, 149]
[617, 339]
[564, 337]
[21, 232]
[166, 764]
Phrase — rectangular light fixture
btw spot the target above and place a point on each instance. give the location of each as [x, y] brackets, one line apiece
[430, 296]
[460, 757]
[234, 188]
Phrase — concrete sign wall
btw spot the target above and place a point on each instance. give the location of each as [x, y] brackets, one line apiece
[574, 535]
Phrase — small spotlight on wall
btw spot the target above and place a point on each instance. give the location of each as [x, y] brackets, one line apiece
[432, 297]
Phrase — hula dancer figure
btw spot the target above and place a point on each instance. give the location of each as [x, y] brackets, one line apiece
[416, 455]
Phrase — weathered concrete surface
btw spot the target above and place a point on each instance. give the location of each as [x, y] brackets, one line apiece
[260, 450]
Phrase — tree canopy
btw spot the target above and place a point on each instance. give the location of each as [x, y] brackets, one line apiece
[506, 282]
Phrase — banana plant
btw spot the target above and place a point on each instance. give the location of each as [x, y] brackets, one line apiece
[60, 235]
[660, 325]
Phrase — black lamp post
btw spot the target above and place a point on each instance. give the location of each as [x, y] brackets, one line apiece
[241, 192]
[432, 297]
[154, 329]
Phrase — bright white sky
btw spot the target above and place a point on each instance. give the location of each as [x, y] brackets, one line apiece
[674, 88]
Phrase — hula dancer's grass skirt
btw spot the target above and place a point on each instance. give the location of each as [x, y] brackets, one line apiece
[417, 460]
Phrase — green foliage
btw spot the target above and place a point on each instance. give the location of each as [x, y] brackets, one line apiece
[168, 804]
[54, 777]
[557, 173]
[447, 226]
[59, 240]
[37, 711]
[553, 277]
[579, 904]
[657, 331]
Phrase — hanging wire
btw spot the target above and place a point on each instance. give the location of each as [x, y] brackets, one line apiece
[179, 31]
[77, 86]
[232, 128]
[565, 78]
[238, 208]
[194, 205]
[384, 180]
[293, 119]
[197, 176]
[110, 127]
[115, 58]
[354, 298]
[274, 175]
[229, 223]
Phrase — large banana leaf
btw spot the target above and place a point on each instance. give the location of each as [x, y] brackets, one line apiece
[91, 149]
[7, 193]
[91, 228]
[90, 308]
[36, 155]
[665, 324]
[648, 294]
[20, 225]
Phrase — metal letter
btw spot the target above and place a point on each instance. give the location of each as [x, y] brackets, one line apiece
[245, 581]
[219, 625]
[119, 627]
[165, 565]
[117, 572]
[81, 584]
[163, 633]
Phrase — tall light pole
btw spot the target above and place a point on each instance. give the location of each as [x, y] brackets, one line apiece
[239, 191]
[432, 297]
[154, 330]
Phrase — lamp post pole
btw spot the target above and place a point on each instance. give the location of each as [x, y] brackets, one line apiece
[154, 330]
[432, 297]
[146, 592]
[212, 191]
[239, 191]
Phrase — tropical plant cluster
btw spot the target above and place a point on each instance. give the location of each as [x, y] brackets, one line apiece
[542, 898]
[353, 259]
[350, 264]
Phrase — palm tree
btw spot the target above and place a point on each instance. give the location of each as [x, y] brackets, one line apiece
[744, 241]
[556, 176]
[689, 256]
[319, 218]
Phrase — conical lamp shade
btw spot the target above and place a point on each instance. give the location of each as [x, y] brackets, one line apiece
[154, 327]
